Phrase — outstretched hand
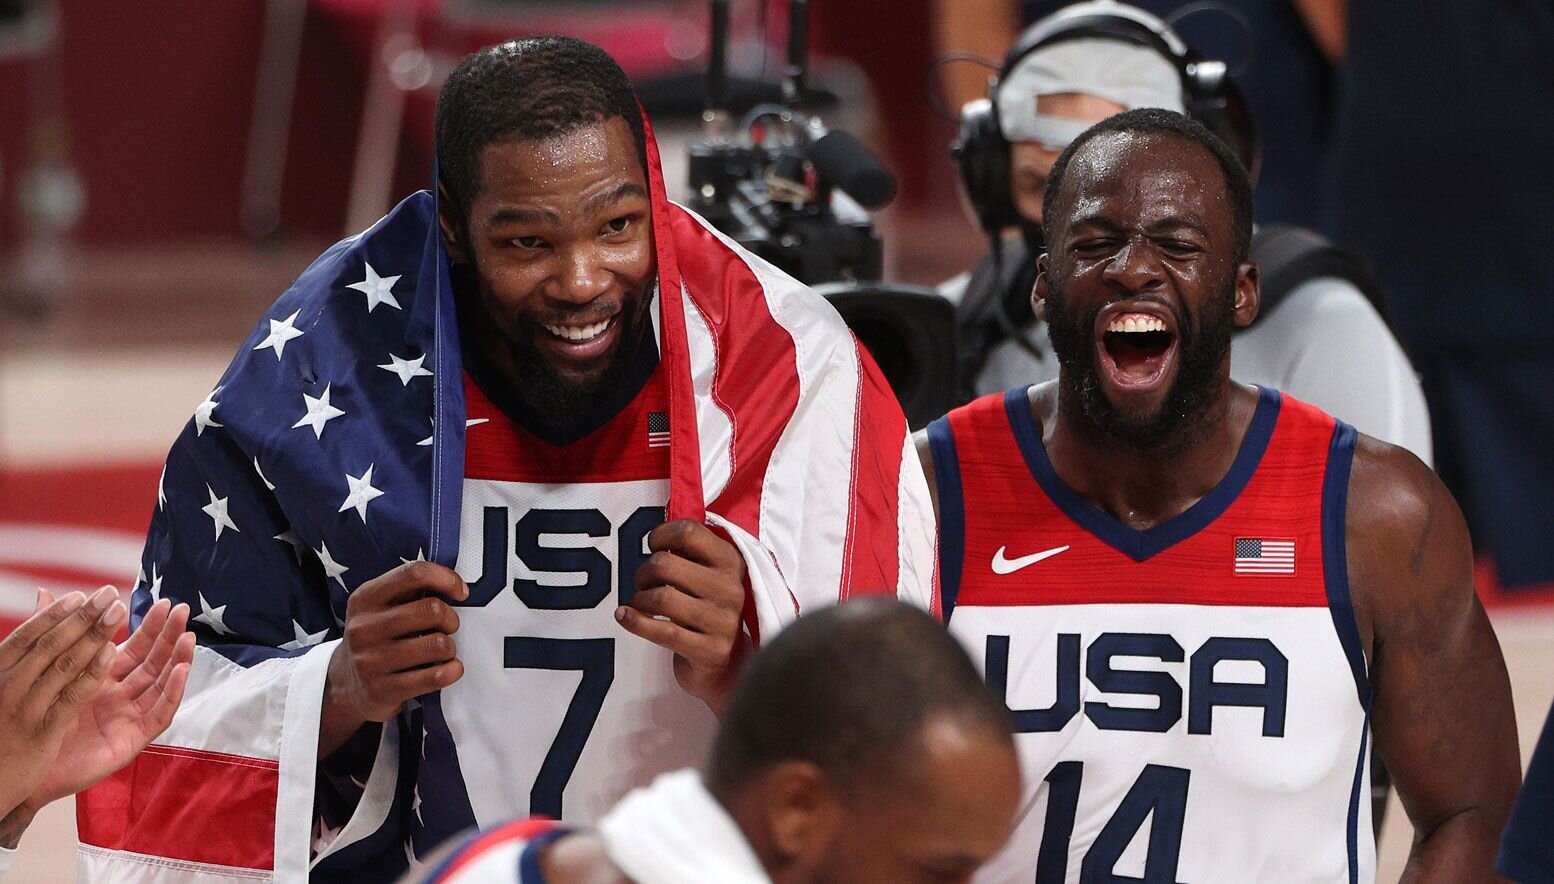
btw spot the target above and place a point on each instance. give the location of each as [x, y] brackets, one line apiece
[49, 667]
[132, 707]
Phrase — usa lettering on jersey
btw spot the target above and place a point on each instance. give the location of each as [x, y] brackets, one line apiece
[1189, 701]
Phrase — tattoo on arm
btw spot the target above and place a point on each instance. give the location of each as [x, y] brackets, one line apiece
[1416, 559]
[1441, 712]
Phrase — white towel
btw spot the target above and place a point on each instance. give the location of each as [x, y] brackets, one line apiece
[674, 832]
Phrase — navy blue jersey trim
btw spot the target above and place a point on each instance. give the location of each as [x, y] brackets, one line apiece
[530, 871]
[1140, 545]
[1335, 556]
[1354, 802]
[952, 512]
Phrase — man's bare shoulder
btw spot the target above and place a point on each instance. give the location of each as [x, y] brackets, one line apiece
[1408, 543]
[580, 858]
[1392, 488]
[1395, 496]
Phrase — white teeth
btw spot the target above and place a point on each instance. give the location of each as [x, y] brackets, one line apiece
[1136, 322]
[578, 332]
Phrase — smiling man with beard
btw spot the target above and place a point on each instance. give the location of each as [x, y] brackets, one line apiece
[1201, 600]
[490, 508]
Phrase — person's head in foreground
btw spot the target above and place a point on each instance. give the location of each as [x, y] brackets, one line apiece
[1148, 221]
[544, 208]
[862, 745]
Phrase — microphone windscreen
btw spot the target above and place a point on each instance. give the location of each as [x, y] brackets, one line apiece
[842, 160]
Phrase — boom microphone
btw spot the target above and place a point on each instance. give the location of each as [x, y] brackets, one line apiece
[843, 160]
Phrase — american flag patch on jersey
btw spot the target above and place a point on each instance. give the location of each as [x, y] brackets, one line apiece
[1260, 555]
[658, 429]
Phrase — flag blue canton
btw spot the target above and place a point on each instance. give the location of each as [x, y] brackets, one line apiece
[305, 471]
[330, 452]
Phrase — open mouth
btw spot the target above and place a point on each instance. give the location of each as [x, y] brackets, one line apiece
[1137, 349]
[579, 333]
[579, 343]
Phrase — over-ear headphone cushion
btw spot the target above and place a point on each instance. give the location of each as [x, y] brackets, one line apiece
[1210, 95]
[982, 158]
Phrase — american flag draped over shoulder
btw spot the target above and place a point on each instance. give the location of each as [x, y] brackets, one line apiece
[332, 450]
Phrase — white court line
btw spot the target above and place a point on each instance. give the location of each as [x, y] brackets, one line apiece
[18, 593]
[95, 550]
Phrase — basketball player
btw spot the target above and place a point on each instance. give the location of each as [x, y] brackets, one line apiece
[490, 507]
[1201, 599]
[859, 746]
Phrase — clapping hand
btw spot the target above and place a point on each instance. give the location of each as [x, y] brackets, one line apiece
[73, 708]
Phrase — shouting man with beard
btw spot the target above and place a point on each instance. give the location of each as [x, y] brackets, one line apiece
[489, 509]
[1199, 599]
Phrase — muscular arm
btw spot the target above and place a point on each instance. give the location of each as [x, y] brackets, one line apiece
[1328, 23]
[1441, 710]
[983, 27]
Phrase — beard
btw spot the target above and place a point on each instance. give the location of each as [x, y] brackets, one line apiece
[557, 399]
[1201, 350]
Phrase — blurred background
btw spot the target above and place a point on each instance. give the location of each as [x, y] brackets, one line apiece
[167, 168]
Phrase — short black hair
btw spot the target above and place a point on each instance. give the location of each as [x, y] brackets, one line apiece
[850, 689]
[1158, 121]
[531, 89]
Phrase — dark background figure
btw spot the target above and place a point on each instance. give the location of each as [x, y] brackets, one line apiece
[1287, 80]
[1526, 854]
[1442, 181]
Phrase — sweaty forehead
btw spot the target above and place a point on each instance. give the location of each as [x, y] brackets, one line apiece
[1133, 178]
[604, 149]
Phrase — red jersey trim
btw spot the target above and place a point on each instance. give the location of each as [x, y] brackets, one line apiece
[622, 450]
[516, 830]
[1002, 505]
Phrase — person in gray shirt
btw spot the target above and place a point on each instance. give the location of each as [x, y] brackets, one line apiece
[1323, 342]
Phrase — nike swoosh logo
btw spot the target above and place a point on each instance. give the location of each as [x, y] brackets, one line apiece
[1003, 565]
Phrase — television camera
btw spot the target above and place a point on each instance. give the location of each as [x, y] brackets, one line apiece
[780, 183]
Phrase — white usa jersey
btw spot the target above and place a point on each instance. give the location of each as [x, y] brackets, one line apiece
[1190, 701]
[561, 711]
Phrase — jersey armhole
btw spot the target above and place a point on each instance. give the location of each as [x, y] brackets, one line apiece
[1335, 554]
[952, 512]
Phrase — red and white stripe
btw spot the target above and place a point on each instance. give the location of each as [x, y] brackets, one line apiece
[60, 558]
[791, 410]
[233, 781]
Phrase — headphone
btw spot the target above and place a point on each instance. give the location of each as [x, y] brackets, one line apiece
[1209, 93]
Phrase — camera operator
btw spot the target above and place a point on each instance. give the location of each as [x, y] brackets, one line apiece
[1319, 338]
